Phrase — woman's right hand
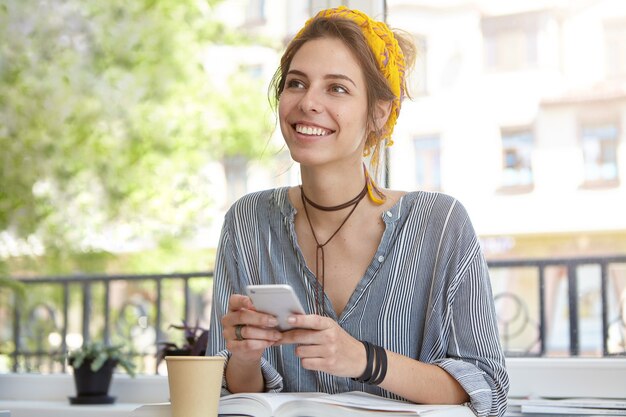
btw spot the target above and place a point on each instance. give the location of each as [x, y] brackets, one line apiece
[258, 330]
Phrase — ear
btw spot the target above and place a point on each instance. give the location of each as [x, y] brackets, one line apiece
[381, 113]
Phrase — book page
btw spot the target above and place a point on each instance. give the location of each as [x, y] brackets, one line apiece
[568, 411]
[571, 402]
[260, 404]
[365, 401]
[322, 405]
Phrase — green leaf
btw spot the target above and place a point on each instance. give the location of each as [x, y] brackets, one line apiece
[107, 118]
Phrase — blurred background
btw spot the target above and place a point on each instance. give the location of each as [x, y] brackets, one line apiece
[128, 128]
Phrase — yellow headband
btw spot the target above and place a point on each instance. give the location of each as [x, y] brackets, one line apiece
[386, 50]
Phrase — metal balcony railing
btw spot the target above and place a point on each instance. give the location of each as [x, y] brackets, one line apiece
[62, 312]
[575, 306]
[548, 307]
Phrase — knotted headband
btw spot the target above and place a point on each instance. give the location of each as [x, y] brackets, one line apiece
[386, 50]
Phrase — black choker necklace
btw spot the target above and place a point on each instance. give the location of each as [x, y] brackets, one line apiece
[337, 207]
[319, 251]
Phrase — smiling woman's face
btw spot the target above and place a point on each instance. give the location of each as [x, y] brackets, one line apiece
[323, 106]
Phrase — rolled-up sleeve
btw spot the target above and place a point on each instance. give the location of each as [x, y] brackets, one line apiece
[227, 281]
[273, 380]
[475, 358]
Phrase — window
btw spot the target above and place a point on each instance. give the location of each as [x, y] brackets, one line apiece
[615, 47]
[599, 146]
[516, 159]
[511, 41]
[428, 163]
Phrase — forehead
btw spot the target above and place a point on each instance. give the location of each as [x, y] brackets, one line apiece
[326, 56]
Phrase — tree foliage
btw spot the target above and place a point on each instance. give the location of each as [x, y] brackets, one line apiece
[108, 116]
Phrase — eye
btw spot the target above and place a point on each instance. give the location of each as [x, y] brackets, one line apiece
[338, 88]
[294, 83]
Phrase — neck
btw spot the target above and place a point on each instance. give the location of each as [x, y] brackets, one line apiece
[347, 204]
[330, 188]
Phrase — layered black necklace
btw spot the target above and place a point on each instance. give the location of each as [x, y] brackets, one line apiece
[319, 251]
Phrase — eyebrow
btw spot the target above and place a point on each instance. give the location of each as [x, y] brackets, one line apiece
[326, 77]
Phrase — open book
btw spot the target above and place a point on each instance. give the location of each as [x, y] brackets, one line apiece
[315, 405]
[567, 406]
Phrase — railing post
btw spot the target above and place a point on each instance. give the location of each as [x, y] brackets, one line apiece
[186, 289]
[604, 278]
[542, 310]
[66, 303]
[16, 332]
[157, 325]
[107, 314]
[86, 310]
[572, 291]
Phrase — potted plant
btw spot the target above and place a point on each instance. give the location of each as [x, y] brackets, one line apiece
[195, 344]
[93, 365]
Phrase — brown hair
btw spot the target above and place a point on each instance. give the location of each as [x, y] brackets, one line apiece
[376, 84]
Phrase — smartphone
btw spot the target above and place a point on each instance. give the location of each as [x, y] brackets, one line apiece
[278, 300]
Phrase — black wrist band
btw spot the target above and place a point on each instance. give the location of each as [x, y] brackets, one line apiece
[381, 368]
[369, 357]
[376, 365]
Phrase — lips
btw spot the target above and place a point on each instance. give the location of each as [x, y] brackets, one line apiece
[311, 130]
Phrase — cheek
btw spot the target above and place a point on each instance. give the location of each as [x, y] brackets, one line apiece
[285, 99]
[350, 119]
[283, 112]
[282, 108]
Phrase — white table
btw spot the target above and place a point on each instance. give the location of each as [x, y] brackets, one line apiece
[20, 408]
[33, 395]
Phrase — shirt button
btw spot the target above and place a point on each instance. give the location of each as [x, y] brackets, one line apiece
[389, 214]
[381, 258]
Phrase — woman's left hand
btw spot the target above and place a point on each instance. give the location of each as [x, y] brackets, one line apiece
[324, 346]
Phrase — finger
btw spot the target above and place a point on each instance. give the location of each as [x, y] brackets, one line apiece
[310, 321]
[257, 333]
[318, 358]
[315, 351]
[238, 301]
[300, 336]
[254, 318]
[252, 347]
[317, 364]
[248, 317]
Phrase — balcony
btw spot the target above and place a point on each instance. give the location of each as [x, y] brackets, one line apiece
[571, 307]
[560, 321]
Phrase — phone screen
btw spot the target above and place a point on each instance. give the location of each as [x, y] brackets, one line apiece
[278, 300]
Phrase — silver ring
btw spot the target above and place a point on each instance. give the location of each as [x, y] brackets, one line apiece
[238, 335]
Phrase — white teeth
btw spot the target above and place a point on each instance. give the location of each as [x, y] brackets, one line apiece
[308, 130]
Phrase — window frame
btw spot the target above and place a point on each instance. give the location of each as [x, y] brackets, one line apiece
[599, 183]
[511, 132]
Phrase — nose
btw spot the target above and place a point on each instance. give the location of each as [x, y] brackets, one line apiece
[310, 102]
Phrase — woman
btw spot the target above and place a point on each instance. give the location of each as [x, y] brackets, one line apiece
[395, 286]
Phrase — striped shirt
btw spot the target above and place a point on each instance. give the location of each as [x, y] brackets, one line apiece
[426, 293]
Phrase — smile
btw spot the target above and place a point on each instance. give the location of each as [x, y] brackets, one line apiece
[312, 131]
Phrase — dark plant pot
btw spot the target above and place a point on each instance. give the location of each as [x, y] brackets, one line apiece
[177, 352]
[93, 387]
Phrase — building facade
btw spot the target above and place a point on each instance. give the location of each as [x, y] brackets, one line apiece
[519, 111]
